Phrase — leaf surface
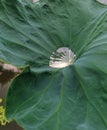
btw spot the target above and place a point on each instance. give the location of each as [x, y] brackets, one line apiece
[42, 98]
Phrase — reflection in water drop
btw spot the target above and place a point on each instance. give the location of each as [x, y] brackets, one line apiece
[35, 1]
[61, 58]
[102, 1]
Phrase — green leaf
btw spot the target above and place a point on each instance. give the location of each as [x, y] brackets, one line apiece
[42, 98]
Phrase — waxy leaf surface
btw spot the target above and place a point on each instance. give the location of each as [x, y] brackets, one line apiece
[44, 98]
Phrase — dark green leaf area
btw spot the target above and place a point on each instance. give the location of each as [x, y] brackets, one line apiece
[43, 101]
[72, 99]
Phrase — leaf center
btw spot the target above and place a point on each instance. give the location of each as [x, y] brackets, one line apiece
[61, 58]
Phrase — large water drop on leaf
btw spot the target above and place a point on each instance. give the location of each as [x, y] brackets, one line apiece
[102, 1]
[61, 58]
[35, 1]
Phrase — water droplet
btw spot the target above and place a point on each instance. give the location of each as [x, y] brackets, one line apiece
[61, 58]
[102, 1]
[35, 1]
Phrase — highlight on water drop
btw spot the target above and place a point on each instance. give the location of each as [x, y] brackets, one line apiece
[61, 58]
[34, 1]
[104, 2]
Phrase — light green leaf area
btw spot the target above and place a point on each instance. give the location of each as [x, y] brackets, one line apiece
[42, 98]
